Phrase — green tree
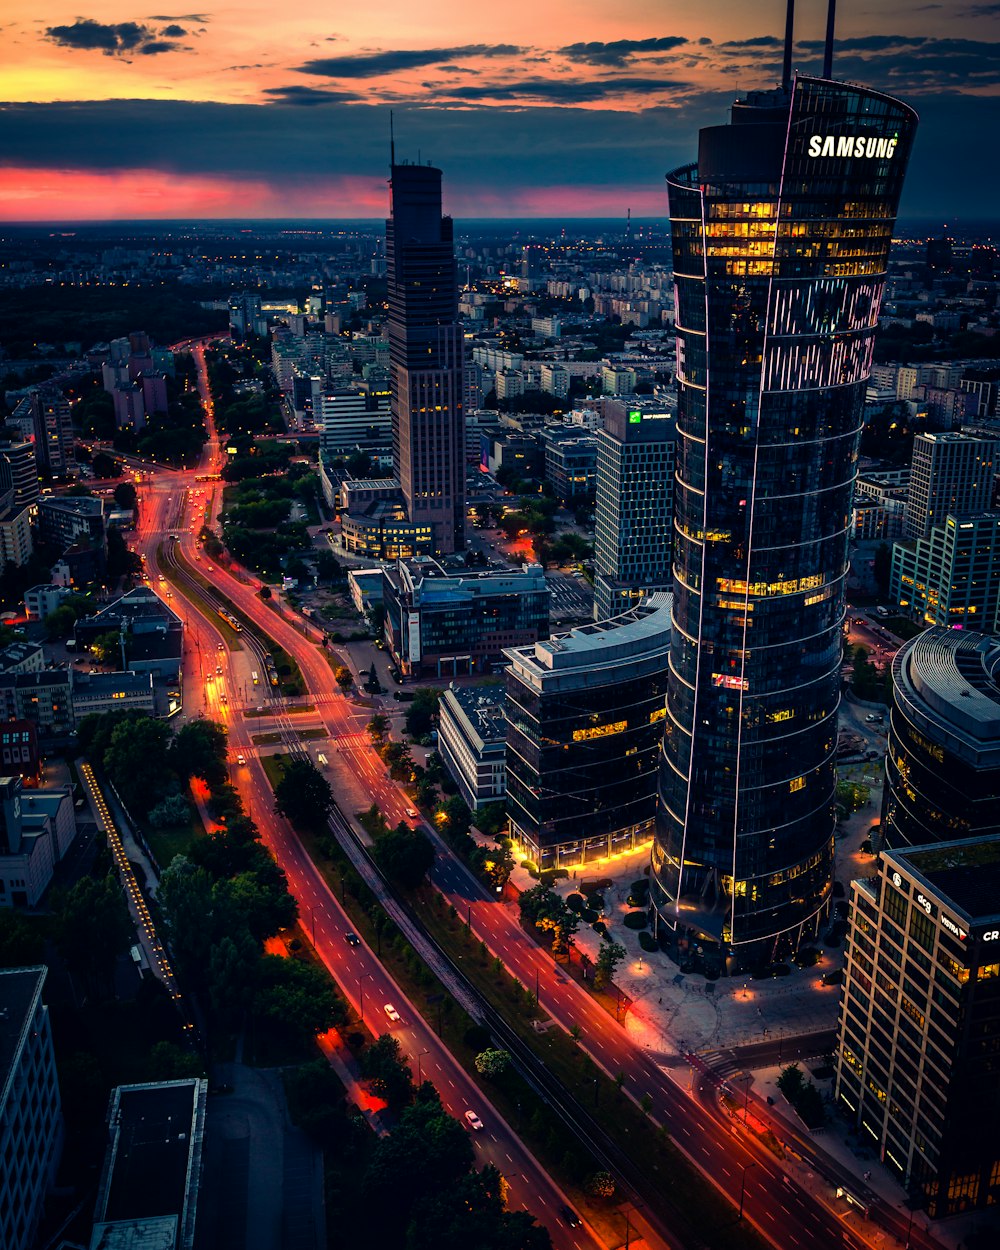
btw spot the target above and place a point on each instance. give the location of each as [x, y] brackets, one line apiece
[303, 794]
[386, 1072]
[170, 1062]
[92, 927]
[298, 997]
[372, 684]
[185, 899]
[107, 648]
[601, 1185]
[422, 713]
[492, 1063]
[456, 820]
[199, 750]
[405, 855]
[126, 496]
[60, 622]
[232, 975]
[344, 679]
[491, 819]
[171, 811]
[22, 940]
[258, 900]
[547, 911]
[609, 957]
[135, 760]
[378, 730]
[493, 863]
[396, 755]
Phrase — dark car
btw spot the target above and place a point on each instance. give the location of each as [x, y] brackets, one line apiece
[352, 939]
[570, 1216]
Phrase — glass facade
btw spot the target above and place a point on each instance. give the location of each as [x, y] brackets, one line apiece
[584, 722]
[425, 356]
[942, 765]
[781, 235]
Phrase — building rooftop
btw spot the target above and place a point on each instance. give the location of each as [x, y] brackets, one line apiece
[20, 989]
[966, 873]
[152, 1168]
[485, 708]
[159, 1233]
[951, 677]
[648, 623]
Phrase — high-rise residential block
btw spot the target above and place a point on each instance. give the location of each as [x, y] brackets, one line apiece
[950, 472]
[919, 1026]
[53, 422]
[942, 764]
[425, 356]
[781, 234]
[30, 1120]
[634, 506]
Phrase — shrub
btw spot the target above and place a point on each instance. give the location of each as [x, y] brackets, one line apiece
[648, 942]
[636, 920]
[596, 900]
[594, 887]
[602, 929]
[640, 887]
[531, 866]
[574, 902]
[590, 914]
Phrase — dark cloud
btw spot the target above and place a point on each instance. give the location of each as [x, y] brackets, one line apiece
[173, 31]
[563, 91]
[761, 41]
[620, 51]
[308, 96]
[117, 39]
[373, 64]
[180, 17]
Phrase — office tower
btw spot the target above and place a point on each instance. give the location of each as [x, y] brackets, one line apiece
[781, 233]
[52, 417]
[584, 721]
[20, 456]
[951, 576]
[942, 766]
[919, 1028]
[30, 1121]
[634, 507]
[950, 473]
[352, 420]
[425, 356]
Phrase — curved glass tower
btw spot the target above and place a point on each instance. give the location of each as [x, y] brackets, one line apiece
[781, 236]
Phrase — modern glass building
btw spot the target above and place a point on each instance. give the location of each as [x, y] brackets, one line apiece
[781, 235]
[942, 764]
[584, 717]
[425, 356]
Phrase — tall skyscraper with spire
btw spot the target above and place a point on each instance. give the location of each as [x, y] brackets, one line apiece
[781, 234]
[425, 356]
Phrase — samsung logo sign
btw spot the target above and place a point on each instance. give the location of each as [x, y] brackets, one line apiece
[851, 145]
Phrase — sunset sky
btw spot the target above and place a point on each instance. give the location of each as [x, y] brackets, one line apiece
[554, 109]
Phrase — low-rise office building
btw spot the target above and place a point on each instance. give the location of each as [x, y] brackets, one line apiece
[942, 762]
[112, 692]
[150, 1184]
[67, 519]
[443, 624]
[45, 699]
[374, 524]
[37, 828]
[22, 657]
[154, 635]
[30, 1109]
[585, 714]
[919, 1025]
[472, 737]
[570, 461]
[40, 600]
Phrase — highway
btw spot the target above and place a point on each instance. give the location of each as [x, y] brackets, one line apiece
[173, 502]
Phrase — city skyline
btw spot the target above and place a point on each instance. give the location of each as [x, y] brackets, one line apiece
[228, 114]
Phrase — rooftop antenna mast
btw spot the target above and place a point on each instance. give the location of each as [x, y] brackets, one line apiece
[831, 19]
[392, 141]
[786, 68]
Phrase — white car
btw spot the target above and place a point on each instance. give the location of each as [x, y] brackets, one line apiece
[473, 1121]
[391, 1012]
[412, 813]
[241, 759]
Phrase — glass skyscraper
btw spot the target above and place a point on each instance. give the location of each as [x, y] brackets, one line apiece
[781, 235]
[425, 356]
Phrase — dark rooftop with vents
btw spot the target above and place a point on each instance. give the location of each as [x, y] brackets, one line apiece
[966, 872]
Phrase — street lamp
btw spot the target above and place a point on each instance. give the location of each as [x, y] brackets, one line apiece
[361, 994]
[743, 1184]
[419, 1057]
